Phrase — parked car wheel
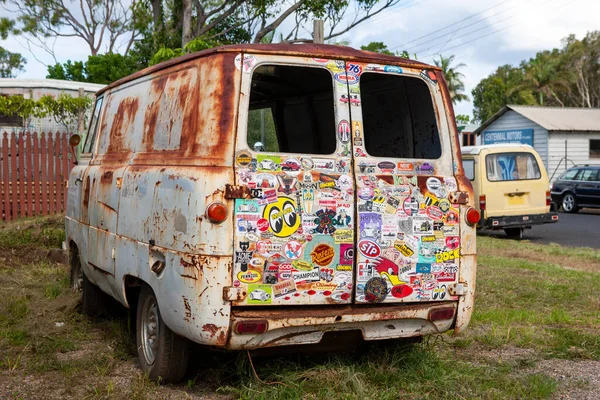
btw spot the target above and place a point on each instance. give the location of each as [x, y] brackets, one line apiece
[93, 299]
[569, 204]
[515, 233]
[163, 354]
[76, 271]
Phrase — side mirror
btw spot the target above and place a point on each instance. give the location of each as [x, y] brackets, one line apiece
[74, 140]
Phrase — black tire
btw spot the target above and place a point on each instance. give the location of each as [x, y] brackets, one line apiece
[569, 203]
[76, 278]
[93, 300]
[515, 233]
[165, 361]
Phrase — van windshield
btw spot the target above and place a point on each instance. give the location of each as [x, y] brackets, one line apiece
[517, 166]
[291, 110]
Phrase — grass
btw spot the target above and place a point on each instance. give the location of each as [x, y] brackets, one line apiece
[534, 302]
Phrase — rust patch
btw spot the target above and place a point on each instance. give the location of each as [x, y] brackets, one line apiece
[121, 123]
[188, 309]
[151, 115]
[106, 177]
[211, 328]
[221, 339]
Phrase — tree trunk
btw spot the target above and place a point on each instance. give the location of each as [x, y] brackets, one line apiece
[186, 34]
[157, 15]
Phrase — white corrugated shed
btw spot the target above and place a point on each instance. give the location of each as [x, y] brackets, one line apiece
[562, 118]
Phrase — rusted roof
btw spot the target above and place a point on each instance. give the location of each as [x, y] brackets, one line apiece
[306, 50]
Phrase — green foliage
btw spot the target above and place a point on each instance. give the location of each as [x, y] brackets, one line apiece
[566, 77]
[11, 64]
[103, 69]
[463, 119]
[165, 54]
[377, 47]
[453, 78]
[63, 108]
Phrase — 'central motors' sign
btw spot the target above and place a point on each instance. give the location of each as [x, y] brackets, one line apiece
[523, 136]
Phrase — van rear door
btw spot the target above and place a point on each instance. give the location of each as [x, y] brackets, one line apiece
[294, 230]
[408, 239]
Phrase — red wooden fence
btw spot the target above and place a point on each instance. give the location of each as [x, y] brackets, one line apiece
[33, 171]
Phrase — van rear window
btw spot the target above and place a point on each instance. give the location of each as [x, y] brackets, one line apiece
[516, 166]
[291, 110]
[398, 117]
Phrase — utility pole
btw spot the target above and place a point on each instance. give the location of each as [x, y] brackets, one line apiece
[318, 31]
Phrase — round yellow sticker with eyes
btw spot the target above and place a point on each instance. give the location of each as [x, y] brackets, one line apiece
[282, 216]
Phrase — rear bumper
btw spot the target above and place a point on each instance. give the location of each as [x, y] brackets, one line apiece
[515, 221]
[307, 325]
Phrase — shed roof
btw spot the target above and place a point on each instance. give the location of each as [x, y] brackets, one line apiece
[553, 118]
[48, 84]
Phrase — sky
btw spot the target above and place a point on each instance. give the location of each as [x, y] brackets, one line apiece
[483, 34]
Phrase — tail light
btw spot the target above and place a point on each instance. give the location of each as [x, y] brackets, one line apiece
[441, 314]
[249, 327]
[482, 203]
[548, 199]
[472, 216]
[216, 212]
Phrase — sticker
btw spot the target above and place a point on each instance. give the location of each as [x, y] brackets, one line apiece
[259, 294]
[447, 255]
[424, 168]
[453, 242]
[306, 276]
[444, 205]
[401, 291]
[423, 268]
[322, 255]
[282, 217]
[291, 165]
[365, 193]
[293, 250]
[433, 184]
[387, 167]
[283, 288]
[302, 265]
[429, 76]
[451, 218]
[249, 276]
[356, 128]
[370, 226]
[435, 213]
[287, 184]
[268, 162]
[354, 68]
[393, 69]
[324, 164]
[422, 226]
[325, 221]
[375, 290]
[404, 249]
[243, 158]
[335, 66]
[262, 225]
[246, 64]
[346, 254]
[343, 236]
[369, 249]
[344, 131]
[410, 206]
[450, 183]
[405, 167]
[344, 182]
[375, 67]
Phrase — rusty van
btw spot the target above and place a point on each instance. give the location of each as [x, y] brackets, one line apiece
[185, 207]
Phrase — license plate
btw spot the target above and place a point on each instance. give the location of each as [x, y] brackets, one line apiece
[516, 200]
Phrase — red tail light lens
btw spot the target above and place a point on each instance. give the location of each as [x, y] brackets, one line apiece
[472, 216]
[482, 203]
[548, 199]
[249, 327]
[216, 212]
[441, 314]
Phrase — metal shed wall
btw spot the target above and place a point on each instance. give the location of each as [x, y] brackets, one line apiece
[513, 120]
[578, 150]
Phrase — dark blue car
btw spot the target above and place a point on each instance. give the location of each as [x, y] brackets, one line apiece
[577, 187]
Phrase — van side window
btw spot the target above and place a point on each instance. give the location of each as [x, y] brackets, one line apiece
[469, 167]
[398, 117]
[516, 166]
[291, 110]
[93, 128]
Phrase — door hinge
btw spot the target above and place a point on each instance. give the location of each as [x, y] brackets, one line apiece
[234, 293]
[459, 197]
[237, 192]
[458, 289]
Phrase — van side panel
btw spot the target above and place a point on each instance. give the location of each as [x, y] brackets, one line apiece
[168, 138]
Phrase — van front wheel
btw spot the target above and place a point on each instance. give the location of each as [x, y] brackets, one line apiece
[163, 354]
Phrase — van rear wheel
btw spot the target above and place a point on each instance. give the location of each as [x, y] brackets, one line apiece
[163, 354]
[515, 233]
[93, 299]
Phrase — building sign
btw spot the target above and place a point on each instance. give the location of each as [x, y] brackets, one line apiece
[523, 136]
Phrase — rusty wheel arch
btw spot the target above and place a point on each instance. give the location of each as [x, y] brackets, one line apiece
[132, 285]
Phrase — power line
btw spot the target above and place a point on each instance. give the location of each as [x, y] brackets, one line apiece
[449, 25]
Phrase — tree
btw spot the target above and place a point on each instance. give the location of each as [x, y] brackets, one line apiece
[504, 86]
[542, 75]
[114, 23]
[581, 59]
[103, 68]
[11, 64]
[453, 78]
[463, 119]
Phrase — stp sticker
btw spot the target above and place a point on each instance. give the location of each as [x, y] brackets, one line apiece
[369, 248]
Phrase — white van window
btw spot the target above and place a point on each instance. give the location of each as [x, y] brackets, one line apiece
[398, 117]
[518, 166]
[291, 110]
[93, 128]
[469, 167]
